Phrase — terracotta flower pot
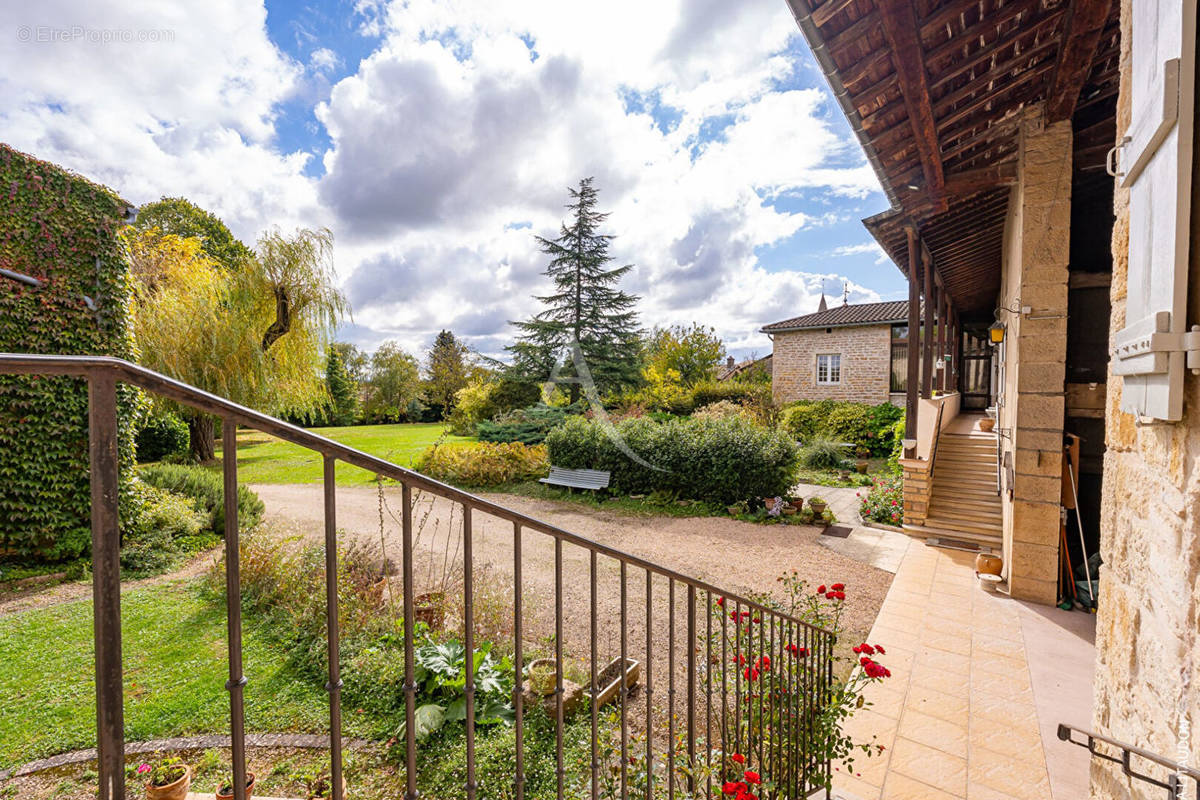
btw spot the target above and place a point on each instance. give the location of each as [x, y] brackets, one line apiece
[818, 506]
[988, 564]
[430, 608]
[861, 466]
[221, 795]
[987, 424]
[172, 791]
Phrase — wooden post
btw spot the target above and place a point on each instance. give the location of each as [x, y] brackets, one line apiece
[941, 340]
[914, 353]
[927, 321]
[955, 350]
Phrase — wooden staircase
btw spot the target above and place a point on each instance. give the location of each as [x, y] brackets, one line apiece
[964, 505]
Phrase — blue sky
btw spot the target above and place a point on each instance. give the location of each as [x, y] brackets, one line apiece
[435, 137]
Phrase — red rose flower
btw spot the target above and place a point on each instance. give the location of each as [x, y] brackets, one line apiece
[838, 587]
[753, 778]
[721, 602]
[840, 595]
[729, 788]
[821, 589]
[879, 649]
[738, 758]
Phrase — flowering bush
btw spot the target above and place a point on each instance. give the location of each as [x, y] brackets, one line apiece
[769, 707]
[884, 502]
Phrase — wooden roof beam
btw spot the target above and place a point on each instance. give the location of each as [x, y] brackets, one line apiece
[1085, 23]
[900, 29]
[974, 180]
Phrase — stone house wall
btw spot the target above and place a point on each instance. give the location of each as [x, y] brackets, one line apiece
[866, 363]
[1147, 690]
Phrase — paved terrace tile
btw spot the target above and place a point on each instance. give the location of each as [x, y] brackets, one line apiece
[979, 683]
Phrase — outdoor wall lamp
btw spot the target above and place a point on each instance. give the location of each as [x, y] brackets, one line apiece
[908, 444]
[996, 332]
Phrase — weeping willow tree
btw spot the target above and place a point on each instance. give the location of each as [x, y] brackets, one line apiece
[256, 334]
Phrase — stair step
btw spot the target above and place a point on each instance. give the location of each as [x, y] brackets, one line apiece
[980, 499]
[948, 524]
[989, 542]
[987, 484]
[986, 517]
[976, 505]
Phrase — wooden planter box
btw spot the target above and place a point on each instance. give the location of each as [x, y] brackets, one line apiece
[608, 680]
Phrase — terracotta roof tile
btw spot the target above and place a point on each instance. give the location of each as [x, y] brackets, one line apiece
[855, 314]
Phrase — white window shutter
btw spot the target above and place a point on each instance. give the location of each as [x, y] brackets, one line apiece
[1156, 162]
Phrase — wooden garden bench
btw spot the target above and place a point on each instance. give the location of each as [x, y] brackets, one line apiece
[578, 478]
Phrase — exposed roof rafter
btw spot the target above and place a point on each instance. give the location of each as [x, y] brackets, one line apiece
[1085, 24]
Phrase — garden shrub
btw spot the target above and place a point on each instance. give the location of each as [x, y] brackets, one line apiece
[62, 230]
[821, 452]
[162, 436]
[897, 448]
[724, 409]
[804, 419]
[168, 527]
[527, 425]
[472, 404]
[206, 489]
[716, 460]
[484, 463]
[884, 502]
[751, 395]
[858, 424]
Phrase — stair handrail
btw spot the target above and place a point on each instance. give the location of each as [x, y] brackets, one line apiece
[103, 372]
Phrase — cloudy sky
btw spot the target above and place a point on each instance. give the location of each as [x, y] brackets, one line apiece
[435, 137]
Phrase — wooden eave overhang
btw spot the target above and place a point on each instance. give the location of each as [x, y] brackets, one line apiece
[935, 92]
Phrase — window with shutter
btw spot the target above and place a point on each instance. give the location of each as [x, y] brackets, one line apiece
[1151, 352]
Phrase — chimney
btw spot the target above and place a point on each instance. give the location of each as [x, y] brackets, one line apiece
[729, 362]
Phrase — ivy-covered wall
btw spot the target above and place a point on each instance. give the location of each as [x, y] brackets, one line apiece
[61, 229]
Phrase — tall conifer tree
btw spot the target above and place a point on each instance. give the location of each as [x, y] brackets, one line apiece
[586, 307]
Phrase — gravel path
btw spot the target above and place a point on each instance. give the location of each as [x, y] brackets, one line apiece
[738, 556]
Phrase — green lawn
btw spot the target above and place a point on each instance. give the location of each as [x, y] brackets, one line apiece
[175, 672]
[265, 459]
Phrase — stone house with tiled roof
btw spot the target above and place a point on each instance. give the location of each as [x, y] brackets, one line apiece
[850, 352]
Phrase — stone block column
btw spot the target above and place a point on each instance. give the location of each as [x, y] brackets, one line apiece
[1036, 350]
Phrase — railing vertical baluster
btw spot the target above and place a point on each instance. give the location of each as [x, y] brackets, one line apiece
[518, 665]
[649, 685]
[624, 689]
[737, 678]
[595, 688]
[469, 644]
[233, 608]
[106, 582]
[410, 684]
[691, 688]
[724, 683]
[830, 641]
[708, 670]
[762, 683]
[560, 768]
[334, 686]
[671, 688]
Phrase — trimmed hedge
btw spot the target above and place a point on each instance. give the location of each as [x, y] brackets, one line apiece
[62, 230]
[207, 492]
[715, 460]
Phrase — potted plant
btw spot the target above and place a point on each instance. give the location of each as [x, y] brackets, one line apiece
[863, 454]
[796, 502]
[738, 508]
[225, 789]
[543, 676]
[166, 779]
[817, 505]
[430, 608]
[806, 516]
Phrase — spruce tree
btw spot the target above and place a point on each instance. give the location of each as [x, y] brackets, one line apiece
[586, 307]
[446, 371]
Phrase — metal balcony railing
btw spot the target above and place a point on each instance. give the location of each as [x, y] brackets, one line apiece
[779, 730]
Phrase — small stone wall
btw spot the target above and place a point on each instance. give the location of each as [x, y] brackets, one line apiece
[917, 490]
